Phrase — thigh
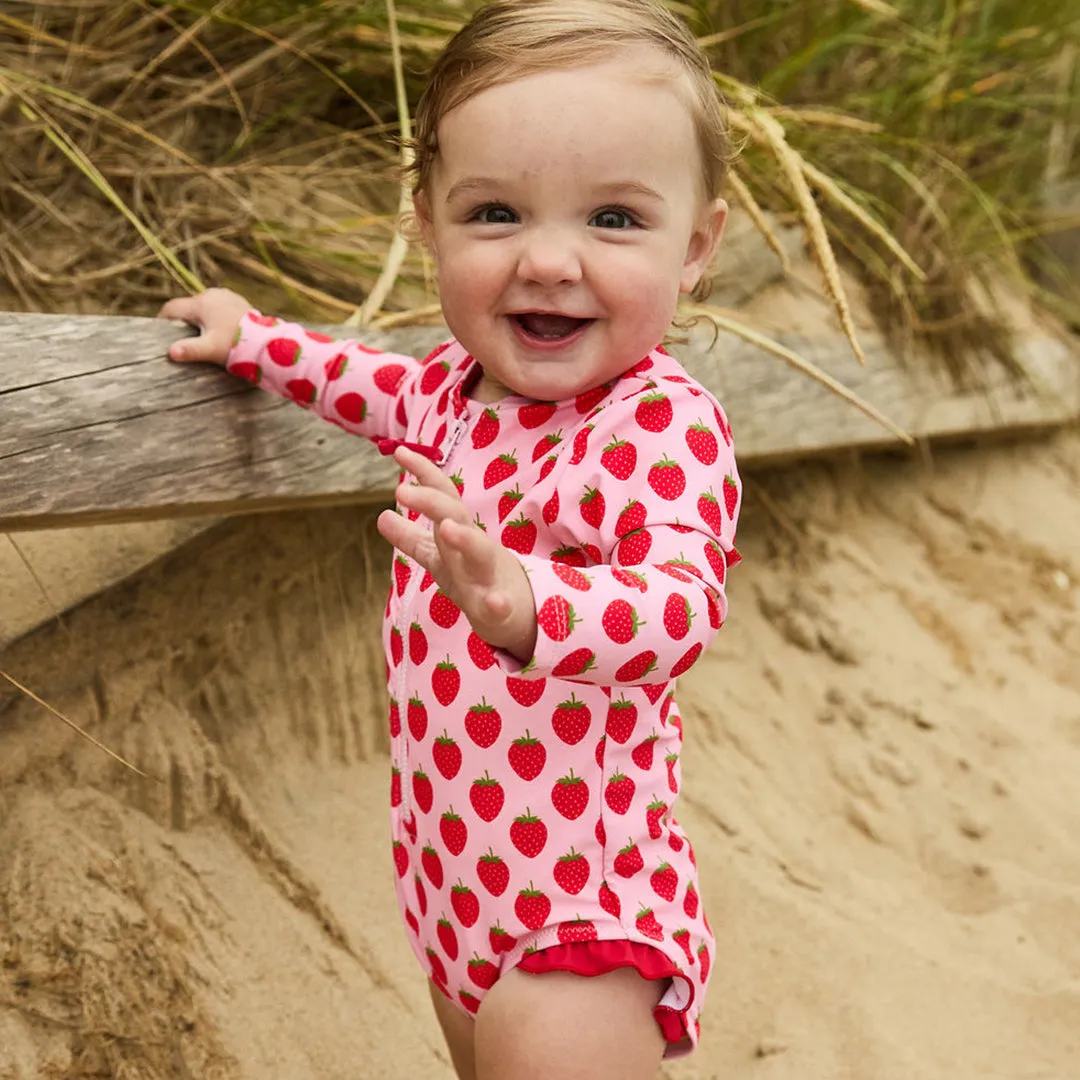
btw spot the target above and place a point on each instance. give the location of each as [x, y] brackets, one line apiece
[575, 1027]
[457, 1028]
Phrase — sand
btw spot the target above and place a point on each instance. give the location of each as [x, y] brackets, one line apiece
[881, 783]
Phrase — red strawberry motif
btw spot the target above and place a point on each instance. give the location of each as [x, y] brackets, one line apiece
[283, 351]
[621, 719]
[454, 832]
[416, 713]
[575, 663]
[483, 972]
[422, 792]
[686, 661]
[447, 755]
[532, 908]
[395, 786]
[527, 756]
[629, 861]
[715, 555]
[703, 960]
[550, 511]
[433, 376]
[388, 377]
[654, 814]
[487, 797]
[619, 458]
[466, 906]
[646, 924]
[458, 482]
[508, 500]
[500, 940]
[601, 834]
[519, 535]
[526, 692]
[702, 443]
[395, 719]
[417, 643]
[619, 792]
[731, 496]
[677, 616]
[672, 782]
[609, 901]
[315, 335]
[593, 552]
[631, 519]
[262, 320]
[569, 556]
[690, 901]
[709, 509]
[409, 825]
[421, 895]
[470, 1001]
[589, 399]
[630, 578]
[637, 667]
[573, 577]
[654, 412]
[401, 858]
[571, 872]
[351, 407]
[591, 505]
[499, 470]
[578, 930]
[429, 860]
[336, 367]
[426, 581]
[447, 938]
[480, 652]
[570, 796]
[549, 464]
[667, 479]
[486, 430]
[438, 972]
[674, 841]
[642, 754]
[556, 618]
[483, 723]
[664, 881]
[445, 681]
[397, 646]
[493, 873]
[634, 547]
[528, 834]
[247, 370]
[620, 622]
[532, 416]
[545, 446]
[581, 441]
[682, 938]
[443, 611]
[402, 573]
[598, 753]
[571, 720]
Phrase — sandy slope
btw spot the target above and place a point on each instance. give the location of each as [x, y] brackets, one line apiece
[883, 780]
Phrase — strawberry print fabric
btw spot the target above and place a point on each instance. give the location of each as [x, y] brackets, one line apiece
[532, 804]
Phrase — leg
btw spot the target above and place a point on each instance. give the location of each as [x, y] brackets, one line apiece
[570, 1027]
[457, 1028]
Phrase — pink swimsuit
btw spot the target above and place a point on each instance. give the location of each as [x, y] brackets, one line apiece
[532, 804]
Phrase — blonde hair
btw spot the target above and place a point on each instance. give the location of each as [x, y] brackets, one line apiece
[509, 39]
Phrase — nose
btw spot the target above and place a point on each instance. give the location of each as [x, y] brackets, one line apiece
[548, 257]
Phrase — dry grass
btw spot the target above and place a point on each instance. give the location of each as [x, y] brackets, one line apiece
[151, 148]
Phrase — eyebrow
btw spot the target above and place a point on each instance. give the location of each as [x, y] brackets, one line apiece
[615, 188]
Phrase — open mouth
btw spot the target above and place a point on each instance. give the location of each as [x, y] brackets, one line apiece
[543, 326]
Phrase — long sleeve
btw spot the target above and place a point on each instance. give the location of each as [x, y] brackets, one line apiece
[653, 504]
[362, 390]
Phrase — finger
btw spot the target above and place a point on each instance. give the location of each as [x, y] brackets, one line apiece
[206, 347]
[434, 505]
[425, 470]
[411, 539]
[471, 551]
[181, 308]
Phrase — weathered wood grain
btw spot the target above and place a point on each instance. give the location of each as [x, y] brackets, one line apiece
[97, 426]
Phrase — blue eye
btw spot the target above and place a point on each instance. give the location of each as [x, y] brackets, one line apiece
[613, 218]
[495, 214]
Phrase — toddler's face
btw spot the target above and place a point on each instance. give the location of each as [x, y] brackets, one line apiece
[564, 215]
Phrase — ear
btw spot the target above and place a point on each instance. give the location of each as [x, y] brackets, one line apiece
[708, 229]
[422, 218]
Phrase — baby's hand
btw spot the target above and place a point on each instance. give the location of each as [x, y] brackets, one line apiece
[485, 580]
[217, 313]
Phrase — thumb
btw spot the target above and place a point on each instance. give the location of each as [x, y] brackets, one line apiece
[207, 348]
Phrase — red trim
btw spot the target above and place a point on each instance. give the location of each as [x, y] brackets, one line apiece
[591, 958]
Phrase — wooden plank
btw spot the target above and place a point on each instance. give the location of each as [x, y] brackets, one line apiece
[96, 426]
